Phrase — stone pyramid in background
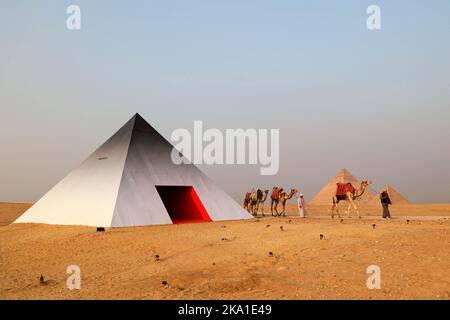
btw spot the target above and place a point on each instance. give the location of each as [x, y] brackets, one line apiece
[325, 195]
[394, 195]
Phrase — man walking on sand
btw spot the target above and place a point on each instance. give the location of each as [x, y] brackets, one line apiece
[385, 202]
[301, 206]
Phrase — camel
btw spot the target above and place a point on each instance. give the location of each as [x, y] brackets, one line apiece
[253, 201]
[250, 200]
[280, 196]
[275, 194]
[261, 198]
[247, 200]
[350, 197]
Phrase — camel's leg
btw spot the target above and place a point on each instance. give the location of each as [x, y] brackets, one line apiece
[284, 208]
[347, 198]
[355, 207]
[271, 206]
[334, 208]
[262, 209]
[275, 207]
[348, 208]
[352, 203]
[337, 210]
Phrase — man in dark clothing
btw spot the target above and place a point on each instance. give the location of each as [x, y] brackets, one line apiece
[385, 202]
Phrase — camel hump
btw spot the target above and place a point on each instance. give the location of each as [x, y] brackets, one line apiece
[343, 188]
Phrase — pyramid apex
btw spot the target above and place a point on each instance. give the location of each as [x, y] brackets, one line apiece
[343, 173]
[135, 116]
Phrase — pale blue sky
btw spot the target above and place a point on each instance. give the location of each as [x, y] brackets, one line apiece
[374, 102]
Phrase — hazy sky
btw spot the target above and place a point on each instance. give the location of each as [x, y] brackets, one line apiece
[374, 102]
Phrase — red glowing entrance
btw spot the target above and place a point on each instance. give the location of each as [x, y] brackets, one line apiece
[183, 204]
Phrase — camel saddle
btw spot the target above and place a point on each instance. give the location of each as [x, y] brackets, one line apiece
[343, 188]
[275, 194]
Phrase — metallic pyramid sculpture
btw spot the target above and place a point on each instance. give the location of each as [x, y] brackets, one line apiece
[131, 181]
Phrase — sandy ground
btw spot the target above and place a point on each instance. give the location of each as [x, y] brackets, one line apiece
[231, 260]
[10, 211]
[376, 211]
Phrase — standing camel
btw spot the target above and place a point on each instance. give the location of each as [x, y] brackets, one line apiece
[274, 197]
[261, 198]
[282, 198]
[348, 193]
[249, 196]
[253, 201]
[247, 200]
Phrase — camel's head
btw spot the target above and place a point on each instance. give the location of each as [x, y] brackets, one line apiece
[365, 183]
[266, 191]
[294, 191]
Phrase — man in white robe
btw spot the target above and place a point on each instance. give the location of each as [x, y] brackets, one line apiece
[301, 206]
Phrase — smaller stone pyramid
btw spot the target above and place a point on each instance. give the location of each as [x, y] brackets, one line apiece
[325, 196]
[396, 198]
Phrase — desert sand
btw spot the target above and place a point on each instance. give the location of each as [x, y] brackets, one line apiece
[231, 260]
[10, 211]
